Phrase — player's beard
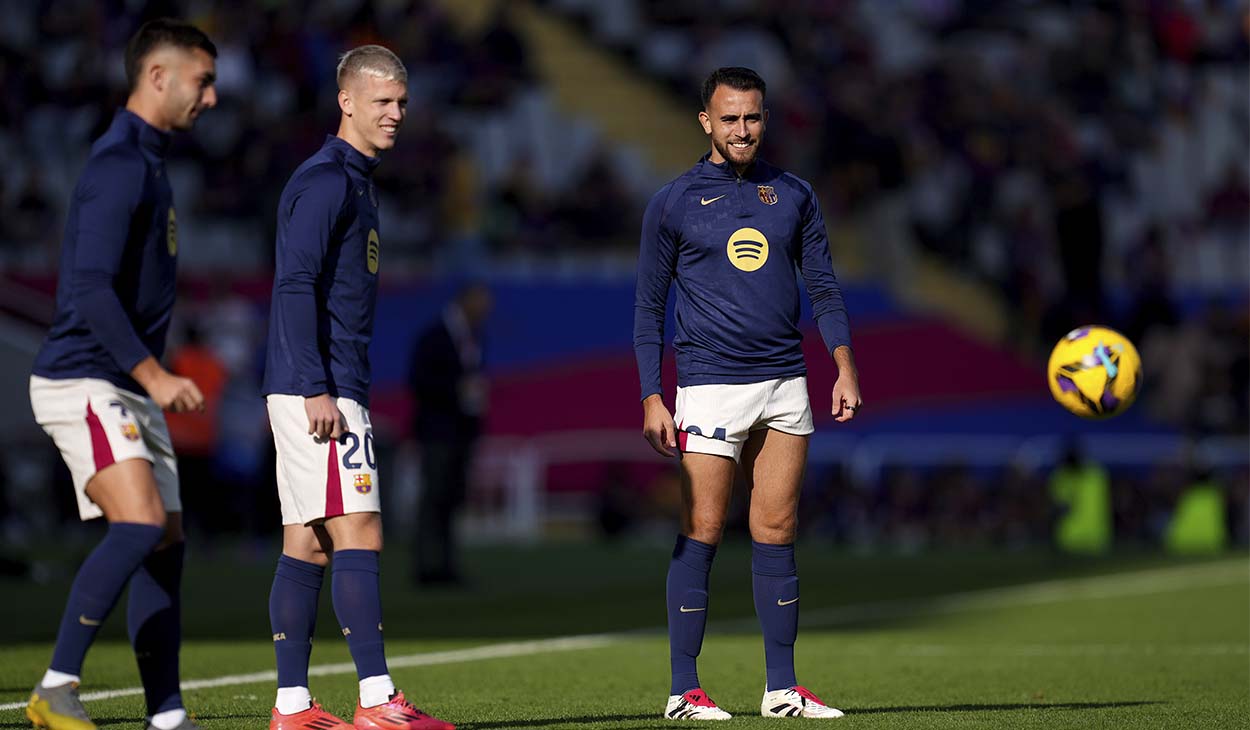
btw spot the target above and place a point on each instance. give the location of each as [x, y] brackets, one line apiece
[738, 158]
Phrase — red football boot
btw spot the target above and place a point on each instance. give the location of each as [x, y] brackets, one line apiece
[314, 718]
[397, 714]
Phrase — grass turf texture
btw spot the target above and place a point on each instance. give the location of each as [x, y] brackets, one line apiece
[880, 640]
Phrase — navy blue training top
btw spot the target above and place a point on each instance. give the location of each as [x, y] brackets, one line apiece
[115, 290]
[732, 244]
[326, 280]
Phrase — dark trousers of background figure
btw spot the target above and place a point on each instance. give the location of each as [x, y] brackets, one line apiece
[444, 484]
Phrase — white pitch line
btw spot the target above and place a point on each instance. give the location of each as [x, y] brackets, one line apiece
[454, 656]
[1136, 583]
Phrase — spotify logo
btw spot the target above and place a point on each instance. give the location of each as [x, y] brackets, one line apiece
[371, 256]
[747, 249]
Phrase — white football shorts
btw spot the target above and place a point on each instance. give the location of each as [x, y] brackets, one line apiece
[95, 424]
[717, 419]
[320, 479]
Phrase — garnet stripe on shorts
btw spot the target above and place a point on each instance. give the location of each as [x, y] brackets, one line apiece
[101, 451]
[334, 489]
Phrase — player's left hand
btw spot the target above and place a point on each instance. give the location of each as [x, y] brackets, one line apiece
[846, 400]
[325, 420]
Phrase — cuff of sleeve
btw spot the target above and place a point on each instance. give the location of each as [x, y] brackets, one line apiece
[132, 361]
[314, 389]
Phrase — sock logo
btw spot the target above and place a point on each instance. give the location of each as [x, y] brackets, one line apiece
[683, 609]
[280, 636]
[347, 631]
[82, 619]
[786, 603]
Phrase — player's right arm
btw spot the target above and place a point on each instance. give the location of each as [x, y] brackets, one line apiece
[657, 263]
[314, 215]
[110, 190]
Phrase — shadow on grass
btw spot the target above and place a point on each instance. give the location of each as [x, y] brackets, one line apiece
[540, 722]
[1000, 707]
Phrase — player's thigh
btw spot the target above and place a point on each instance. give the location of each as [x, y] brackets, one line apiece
[774, 462]
[94, 427]
[706, 486]
[355, 531]
[126, 491]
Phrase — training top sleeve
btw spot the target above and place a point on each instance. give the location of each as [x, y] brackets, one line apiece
[828, 307]
[314, 218]
[108, 193]
[657, 263]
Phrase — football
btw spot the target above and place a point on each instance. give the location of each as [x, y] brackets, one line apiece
[1094, 372]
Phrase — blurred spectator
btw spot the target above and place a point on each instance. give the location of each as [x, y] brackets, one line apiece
[1199, 524]
[449, 388]
[1081, 493]
[194, 434]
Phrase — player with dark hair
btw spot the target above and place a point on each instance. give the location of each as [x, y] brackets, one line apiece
[732, 232]
[98, 388]
[317, 390]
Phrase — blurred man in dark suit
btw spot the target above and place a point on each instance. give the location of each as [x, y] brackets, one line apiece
[450, 392]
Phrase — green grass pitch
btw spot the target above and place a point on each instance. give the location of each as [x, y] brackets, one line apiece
[958, 640]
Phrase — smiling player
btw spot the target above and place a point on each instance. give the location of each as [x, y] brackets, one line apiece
[731, 232]
[317, 390]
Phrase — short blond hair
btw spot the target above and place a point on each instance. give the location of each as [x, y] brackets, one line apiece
[373, 61]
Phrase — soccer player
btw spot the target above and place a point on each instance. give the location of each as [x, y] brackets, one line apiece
[731, 232]
[98, 388]
[317, 390]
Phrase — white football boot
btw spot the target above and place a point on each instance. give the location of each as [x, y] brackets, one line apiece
[796, 701]
[694, 705]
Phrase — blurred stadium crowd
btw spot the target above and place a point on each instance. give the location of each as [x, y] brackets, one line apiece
[1088, 161]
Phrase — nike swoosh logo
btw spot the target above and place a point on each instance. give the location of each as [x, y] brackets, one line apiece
[82, 619]
[692, 610]
[705, 201]
[786, 603]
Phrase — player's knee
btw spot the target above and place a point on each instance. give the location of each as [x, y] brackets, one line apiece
[142, 514]
[316, 557]
[774, 529]
[307, 553]
[707, 529]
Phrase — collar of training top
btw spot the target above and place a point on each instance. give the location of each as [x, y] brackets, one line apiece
[726, 170]
[353, 157]
[151, 140]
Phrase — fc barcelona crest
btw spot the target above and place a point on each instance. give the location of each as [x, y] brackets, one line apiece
[768, 196]
[364, 483]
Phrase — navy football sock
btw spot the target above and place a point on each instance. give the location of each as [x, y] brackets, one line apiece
[686, 594]
[293, 617]
[775, 583]
[96, 588]
[358, 605]
[154, 620]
